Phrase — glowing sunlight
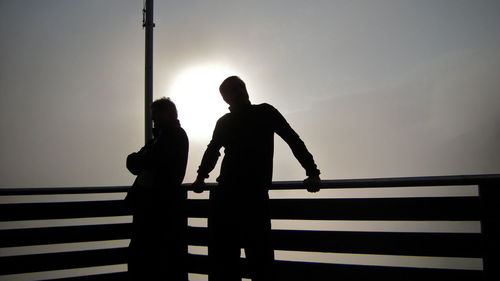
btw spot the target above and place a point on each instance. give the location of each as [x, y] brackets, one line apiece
[195, 91]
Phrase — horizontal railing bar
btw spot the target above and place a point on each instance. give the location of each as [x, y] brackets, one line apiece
[63, 260]
[419, 209]
[279, 185]
[297, 270]
[387, 243]
[395, 182]
[61, 190]
[116, 276]
[63, 210]
[64, 234]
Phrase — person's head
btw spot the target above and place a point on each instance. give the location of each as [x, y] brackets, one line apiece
[163, 112]
[234, 92]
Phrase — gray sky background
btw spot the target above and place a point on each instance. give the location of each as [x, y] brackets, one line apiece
[375, 88]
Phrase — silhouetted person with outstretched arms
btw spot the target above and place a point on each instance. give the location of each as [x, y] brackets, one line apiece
[158, 246]
[239, 209]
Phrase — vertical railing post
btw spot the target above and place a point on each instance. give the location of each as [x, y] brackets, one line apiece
[148, 24]
[490, 229]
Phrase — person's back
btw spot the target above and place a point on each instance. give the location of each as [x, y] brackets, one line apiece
[247, 136]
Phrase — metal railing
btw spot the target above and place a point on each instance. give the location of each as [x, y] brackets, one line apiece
[390, 228]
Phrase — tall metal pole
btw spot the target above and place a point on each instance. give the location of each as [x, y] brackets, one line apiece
[148, 24]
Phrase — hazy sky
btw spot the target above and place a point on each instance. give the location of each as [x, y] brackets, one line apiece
[375, 88]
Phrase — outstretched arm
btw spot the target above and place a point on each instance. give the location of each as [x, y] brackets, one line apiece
[209, 160]
[299, 150]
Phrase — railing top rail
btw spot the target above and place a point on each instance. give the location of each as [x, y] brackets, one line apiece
[61, 190]
[280, 185]
[396, 182]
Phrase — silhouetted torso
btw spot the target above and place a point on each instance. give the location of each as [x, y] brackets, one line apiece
[239, 204]
[158, 244]
[247, 135]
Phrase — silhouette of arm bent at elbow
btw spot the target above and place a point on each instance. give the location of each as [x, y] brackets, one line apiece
[136, 161]
[165, 156]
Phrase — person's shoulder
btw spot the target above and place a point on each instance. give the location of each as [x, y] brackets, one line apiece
[183, 137]
[181, 132]
[265, 106]
[174, 132]
[224, 118]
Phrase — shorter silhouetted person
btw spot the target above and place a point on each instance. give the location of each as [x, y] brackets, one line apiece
[239, 208]
[158, 246]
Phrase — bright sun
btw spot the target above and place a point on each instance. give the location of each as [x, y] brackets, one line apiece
[195, 91]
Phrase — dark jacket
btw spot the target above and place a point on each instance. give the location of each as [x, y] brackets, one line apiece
[158, 246]
[247, 135]
[160, 167]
